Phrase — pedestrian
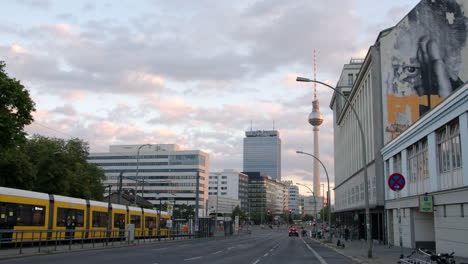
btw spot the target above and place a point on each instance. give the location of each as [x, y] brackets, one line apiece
[346, 233]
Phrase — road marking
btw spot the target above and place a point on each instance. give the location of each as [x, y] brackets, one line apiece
[159, 249]
[229, 248]
[217, 252]
[266, 254]
[193, 258]
[322, 261]
[258, 260]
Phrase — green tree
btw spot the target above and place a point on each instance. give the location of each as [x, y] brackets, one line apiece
[52, 165]
[15, 110]
[237, 211]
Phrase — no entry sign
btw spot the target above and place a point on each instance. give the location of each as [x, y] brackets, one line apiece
[396, 182]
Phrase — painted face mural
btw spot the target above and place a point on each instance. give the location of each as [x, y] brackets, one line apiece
[423, 61]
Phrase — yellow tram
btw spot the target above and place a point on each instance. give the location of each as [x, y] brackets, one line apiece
[40, 213]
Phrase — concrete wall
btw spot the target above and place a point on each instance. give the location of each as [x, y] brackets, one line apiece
[451, 230]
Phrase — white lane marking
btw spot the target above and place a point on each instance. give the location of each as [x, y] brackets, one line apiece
[159, 249]
[258, 260]
[322, 261]
[229, 248]
[217, 252]
[193, 258]
[266, 254]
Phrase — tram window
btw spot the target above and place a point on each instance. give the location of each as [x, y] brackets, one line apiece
[24, 214]
[119, 221]
[135, 219]
[76, 215]
[150, 222]
[162, 223]
[99, 219]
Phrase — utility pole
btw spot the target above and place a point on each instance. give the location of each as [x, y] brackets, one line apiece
[197, 186]
[120, 188]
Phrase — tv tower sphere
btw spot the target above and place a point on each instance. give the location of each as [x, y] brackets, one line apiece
[315, 117]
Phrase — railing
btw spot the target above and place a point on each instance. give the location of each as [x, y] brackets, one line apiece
[19, 241]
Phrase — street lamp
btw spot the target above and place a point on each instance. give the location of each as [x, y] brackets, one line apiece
[315, 205]
[138, 165]
[328, 192]
[364, 163]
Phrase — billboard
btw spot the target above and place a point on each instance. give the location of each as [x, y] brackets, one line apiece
[423, 60]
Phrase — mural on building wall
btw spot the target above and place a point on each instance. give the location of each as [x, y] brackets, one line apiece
[423, 61]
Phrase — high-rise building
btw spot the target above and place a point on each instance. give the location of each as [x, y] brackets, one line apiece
[266, 194]
[165, 173]
[262, 152]
[230, 184]
[293, 196]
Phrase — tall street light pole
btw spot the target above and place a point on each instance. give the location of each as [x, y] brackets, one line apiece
[328, 192]
[315, 205]
[138, 165]
[364, 163]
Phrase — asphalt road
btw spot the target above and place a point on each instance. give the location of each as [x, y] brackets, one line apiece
[262, 246]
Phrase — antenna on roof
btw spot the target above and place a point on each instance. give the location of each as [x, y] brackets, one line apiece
[250, 125]
[273, 124]
[315, 76]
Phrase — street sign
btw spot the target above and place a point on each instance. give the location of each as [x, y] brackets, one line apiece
[396, 182]
[426, 204]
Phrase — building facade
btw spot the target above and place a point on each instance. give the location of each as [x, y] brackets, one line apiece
[293, 197]
[262, 152]
[266, 194]
[221, 205]
[230, 184]
[432, 154]
[165, 173]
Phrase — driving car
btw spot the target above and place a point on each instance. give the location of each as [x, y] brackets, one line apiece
[293, 232]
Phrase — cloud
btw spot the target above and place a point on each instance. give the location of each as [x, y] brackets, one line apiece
[38, 4]
[66, 109]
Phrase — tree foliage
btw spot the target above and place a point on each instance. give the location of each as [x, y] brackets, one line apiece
[52, 165]
[16, 107]
[237, 211]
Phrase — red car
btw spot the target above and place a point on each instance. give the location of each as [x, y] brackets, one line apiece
[293, 232]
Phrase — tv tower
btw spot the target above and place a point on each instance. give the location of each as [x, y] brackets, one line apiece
[316, 119]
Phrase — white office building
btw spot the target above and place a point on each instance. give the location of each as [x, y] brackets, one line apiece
[230, 184]
[432, 154]
[262, 153]
[221, 205]
[293, 197]
[161, 172]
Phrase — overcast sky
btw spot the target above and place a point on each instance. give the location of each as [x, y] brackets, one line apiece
[195, 73]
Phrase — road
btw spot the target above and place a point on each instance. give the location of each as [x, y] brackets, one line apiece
[262, 246]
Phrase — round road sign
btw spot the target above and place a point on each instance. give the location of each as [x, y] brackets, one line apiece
[396, 182]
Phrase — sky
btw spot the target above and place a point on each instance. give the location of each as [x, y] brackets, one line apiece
[194, 73]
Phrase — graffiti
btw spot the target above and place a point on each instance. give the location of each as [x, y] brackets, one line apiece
[423, 61]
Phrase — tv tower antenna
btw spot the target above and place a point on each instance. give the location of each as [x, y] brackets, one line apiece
[315, 76]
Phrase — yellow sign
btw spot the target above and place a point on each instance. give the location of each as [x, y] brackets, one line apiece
[426, 204]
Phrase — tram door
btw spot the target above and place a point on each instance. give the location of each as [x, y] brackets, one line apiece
[7, 220]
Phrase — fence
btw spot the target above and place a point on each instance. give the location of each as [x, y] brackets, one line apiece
[54, 240]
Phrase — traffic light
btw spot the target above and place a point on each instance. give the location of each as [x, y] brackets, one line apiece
[268, 212]
[290, 211]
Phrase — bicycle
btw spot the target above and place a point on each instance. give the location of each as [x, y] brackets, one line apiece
[427, 257]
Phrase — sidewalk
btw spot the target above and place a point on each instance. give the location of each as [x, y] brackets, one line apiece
[381, 254]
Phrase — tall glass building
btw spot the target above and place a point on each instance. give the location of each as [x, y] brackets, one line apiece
[262, 152]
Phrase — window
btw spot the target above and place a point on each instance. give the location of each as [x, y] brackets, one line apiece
[74, 215]
[448, 147]
[119, 221]
[417, 161]
[150, 222]
[99, 219]
[224, 177]
[223, 188]
[397, 163]
[16, 214]
[350, 79]
[223, 193]
[224, 182]
[135, 220]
